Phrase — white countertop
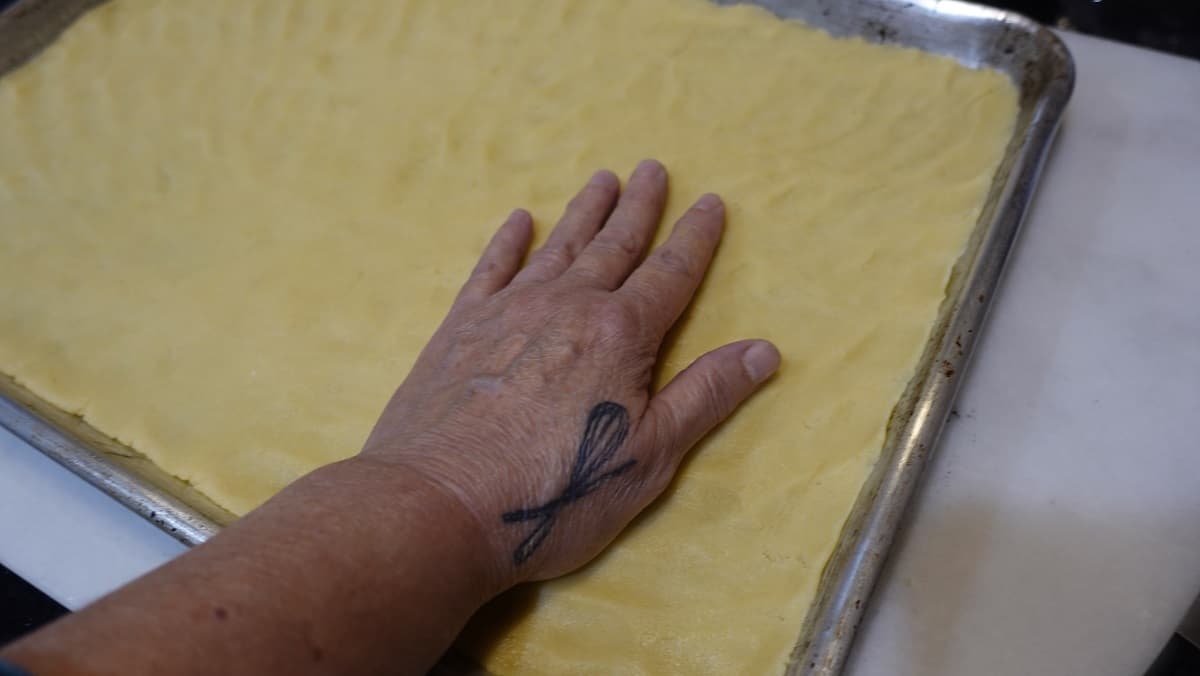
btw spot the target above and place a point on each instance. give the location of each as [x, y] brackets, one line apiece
[1058, 531]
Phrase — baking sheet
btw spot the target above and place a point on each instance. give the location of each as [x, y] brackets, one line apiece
[1032, 56]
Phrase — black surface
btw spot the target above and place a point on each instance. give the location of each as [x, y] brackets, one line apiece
[23, 608]
[1166, 25]
[1178, 658]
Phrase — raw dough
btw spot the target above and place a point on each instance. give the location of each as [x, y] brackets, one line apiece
[229, 226]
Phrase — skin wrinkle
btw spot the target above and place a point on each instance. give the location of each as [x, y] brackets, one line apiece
[673, 262]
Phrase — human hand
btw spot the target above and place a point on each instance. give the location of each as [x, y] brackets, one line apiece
[530, 407]
[524, 439]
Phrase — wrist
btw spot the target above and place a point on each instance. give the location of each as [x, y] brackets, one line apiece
[404, 499]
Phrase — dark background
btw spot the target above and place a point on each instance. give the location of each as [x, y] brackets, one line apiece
[1165, 25]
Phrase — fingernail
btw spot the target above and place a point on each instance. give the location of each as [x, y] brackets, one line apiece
[648, 168]
[760, 360]
[709, 202]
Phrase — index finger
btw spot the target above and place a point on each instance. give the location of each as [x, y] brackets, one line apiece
[669, 277]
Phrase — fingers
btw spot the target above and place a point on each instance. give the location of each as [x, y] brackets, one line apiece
[619, 246]
[500, 260]
[706, 392]
[665, 283]
[583, 217]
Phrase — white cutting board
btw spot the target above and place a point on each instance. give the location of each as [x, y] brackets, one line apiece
[1059, 529]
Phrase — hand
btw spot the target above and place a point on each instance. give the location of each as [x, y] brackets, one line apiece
[531, 407]
[524, 439]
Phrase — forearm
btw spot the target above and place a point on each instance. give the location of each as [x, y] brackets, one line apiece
[353, 568]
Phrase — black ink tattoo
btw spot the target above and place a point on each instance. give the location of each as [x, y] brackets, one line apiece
[605, 431]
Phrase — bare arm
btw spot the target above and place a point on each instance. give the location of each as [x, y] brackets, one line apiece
[524, 439]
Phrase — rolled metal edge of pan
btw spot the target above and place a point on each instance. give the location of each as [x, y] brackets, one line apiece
[1041, 67]
[125, 475]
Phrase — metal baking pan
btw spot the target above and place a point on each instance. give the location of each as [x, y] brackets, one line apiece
[978, 37]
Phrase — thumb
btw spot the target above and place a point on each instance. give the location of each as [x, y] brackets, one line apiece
[707, 392]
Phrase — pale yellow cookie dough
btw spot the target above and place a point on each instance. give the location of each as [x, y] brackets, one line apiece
[229, 226]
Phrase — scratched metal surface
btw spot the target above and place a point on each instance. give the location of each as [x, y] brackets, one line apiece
[974, 35]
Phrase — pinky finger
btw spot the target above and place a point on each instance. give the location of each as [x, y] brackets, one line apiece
[500, 260]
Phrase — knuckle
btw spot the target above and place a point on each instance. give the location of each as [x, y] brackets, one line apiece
[662, 458]
[640, 363]
[715, 394]
[484, 386]
[658, 473]
[674, 262]
[554, 257]
[559, 354]
[573, 247]
[486, 267]
[621, 242]
[617, 318]
[466, 333]
[667, 424]
[641, 298]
